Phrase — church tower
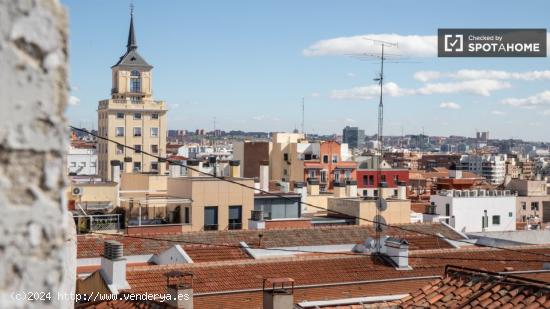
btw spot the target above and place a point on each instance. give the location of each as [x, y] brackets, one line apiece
[132, 117]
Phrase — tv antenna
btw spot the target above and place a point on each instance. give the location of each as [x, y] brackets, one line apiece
[380, 202]
[303, 116]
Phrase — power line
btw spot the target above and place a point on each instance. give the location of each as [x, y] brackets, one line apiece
[315, 252]
[376, 223]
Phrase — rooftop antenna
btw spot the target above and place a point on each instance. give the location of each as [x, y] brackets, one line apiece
[303, 116]
[380, 202]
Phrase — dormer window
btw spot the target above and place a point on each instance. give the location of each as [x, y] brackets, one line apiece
[135, 81]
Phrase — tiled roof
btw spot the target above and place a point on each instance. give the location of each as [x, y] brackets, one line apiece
[205, 253]
[478, 289]
[125, 304]
[92, 245]
[362, 275]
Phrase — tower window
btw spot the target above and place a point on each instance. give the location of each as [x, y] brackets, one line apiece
[137, 116]
[154, 132]
[135, 81]
[120, 115]
[137, 131]
[154, 116]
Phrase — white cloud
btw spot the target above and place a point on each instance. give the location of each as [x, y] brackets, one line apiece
[425, 76]
[450, 105]
[408, 45]
[497, 113]
[530, 102]
[264, 118]
[315, 94]
[350, 120]
[74, 100]
[350, 74]
[477, 87]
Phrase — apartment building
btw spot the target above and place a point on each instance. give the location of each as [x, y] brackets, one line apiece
[82, 159]
[490, 166]
[531, 201]
[251, 154]
[477, 210]
[131, 116]
[372, 173]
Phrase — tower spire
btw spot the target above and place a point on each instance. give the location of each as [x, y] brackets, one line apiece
[131, 35]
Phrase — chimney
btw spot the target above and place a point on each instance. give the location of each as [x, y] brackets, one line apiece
[128, 168]
[430, 215]
[264, 175]
[175, 169]
[397, 250]
[278, 293]
[256, 185]
[351, 188]
[193, 171]
[312, 186]
[299, 187]
[235, 168]
[113, 266]
[256, 221]
[115, 171]
[339, 189]
[179, 285]
[401, 190]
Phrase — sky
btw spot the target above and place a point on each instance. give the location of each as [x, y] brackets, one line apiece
[248, 64]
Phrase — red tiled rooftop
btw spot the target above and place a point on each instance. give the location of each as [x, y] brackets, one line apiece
[92, 245]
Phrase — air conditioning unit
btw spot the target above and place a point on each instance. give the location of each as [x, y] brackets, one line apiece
[77, 191]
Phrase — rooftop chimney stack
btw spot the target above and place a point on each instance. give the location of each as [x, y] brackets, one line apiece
[278, 293]
[113, 266]
[312, 186]
[299, 187]
[264, 175]
[235, 168]
[339, 189]
[179, 286]
[128, 165]
[397, 250]
[194, 167]
[402, 190]
[351, 188]
[115, 171]
[256, 221]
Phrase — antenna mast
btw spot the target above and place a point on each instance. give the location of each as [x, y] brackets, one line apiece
[303, 115]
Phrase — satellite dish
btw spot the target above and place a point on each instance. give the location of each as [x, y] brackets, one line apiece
[381, 204]
[380, 223]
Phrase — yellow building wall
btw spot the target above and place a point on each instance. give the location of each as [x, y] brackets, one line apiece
[397, 212]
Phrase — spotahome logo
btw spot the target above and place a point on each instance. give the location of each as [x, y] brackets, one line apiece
[491, 43]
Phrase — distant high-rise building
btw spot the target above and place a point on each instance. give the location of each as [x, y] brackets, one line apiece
[354, 137]
[131, 117]
[482, 136]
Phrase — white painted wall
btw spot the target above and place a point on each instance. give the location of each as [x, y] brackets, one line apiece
[468, 212]
[82, 161]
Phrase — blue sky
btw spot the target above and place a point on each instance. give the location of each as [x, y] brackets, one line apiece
[249, 63]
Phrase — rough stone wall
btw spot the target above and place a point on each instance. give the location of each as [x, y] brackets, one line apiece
[36, 249]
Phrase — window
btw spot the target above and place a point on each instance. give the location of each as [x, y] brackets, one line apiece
[135, 81]
[510, 214]
[311, 174]
[73, 164]
[154, 132]
[211, 218]
[334, 159]
[325, 159]
[135, 99]
[137, 166]
[154, 166]
[383, 178]
[137, 148]
[348, 175]
[336, 176]
[137, 131]
[137, 116]
[119, 131]
[235, 217]
[120, 115]
[154, 148]
[523, 205]
[535, 206]
[496, 220]
[371, 180]
[323, 176]
[395, 179]
[154, 116]
[285, 156]
[186, 217]
[375, 192]
[119, 149]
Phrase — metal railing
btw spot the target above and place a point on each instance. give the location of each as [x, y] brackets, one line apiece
[94, 223]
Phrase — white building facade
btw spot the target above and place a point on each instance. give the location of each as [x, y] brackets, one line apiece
[477, 210]
[82, 161]
[492, 167]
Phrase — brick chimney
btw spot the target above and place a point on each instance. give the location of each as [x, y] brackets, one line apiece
[278, 293]
[179, 285]
[113, 266]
